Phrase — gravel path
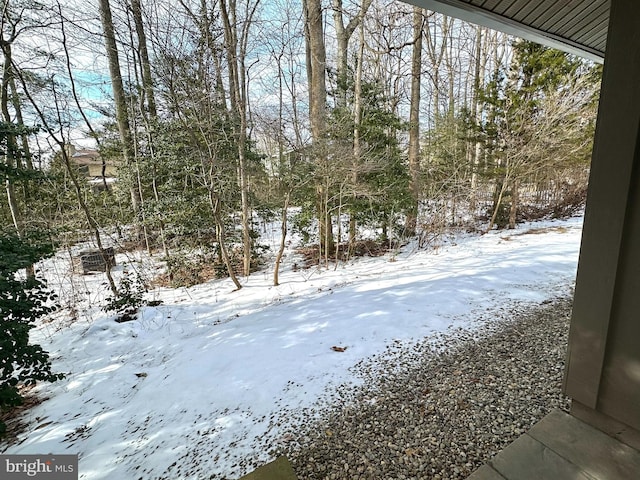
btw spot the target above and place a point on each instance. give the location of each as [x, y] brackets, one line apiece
[441, 408]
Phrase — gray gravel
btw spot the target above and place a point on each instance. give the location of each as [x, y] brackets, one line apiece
[440, 408]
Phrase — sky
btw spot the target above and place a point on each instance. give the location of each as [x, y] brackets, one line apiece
[197, 383]
[278, 32]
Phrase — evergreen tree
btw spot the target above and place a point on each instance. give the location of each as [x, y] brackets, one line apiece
[449, 168]
[375, 186]
[538, 121]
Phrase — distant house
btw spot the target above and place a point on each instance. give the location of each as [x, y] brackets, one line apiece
[89, 163]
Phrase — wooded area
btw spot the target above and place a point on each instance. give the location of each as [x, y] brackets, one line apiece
[367, 116]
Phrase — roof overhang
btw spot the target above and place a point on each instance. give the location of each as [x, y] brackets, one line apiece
[575, 26]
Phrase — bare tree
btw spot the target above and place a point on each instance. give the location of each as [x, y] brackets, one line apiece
[236, 46]
[12, 158]
[120, 100]
[414, 119]
[316, 72]
[343, 34]
[147, 80]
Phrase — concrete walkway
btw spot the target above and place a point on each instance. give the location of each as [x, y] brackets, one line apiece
[279, 469]
[561, 447]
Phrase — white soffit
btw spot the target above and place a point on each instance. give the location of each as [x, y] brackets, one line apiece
[575, 26]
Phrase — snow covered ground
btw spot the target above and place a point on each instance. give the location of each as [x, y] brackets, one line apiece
[196, 387]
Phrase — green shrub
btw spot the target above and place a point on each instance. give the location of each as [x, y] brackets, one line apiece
[129, 299]
[23, 300]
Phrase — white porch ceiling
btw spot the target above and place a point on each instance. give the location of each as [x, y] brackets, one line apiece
[575, 26]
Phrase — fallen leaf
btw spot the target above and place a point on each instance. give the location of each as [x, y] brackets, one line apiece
[409, 452]
[338, 349]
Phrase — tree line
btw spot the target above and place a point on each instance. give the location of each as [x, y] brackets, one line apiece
[366, 114]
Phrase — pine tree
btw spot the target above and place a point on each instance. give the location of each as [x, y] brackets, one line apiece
[377, 182]
[537, 121]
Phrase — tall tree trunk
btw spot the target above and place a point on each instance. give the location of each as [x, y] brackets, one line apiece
[12, 145]
[13, 155]
[120, 100]
[343, 34]
[357, 144]
[449, 61]
[474, 146]
[15, 102]
[25, 155]
[147, 81]
[316, 69]
[148, 109]
[236, 54]
[414, 121]
[287, 198]
[436, 47]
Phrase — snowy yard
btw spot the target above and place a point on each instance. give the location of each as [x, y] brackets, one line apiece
[199, 383]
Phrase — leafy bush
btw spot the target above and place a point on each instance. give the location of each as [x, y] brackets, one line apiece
[22, 302]
[129, 298]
